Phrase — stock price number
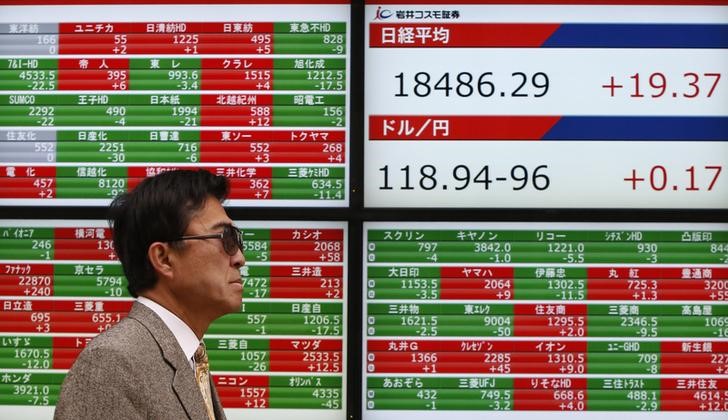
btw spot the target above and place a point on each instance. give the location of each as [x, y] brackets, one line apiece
[661, 178]
[465, 84]
[655, 85]
[461, 177]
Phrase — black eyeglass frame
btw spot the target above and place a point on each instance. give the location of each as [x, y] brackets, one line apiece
[231, 237]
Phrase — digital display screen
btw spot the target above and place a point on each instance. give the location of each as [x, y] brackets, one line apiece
[93, 98]
[478, 105]
[60, 285]
[510, 318]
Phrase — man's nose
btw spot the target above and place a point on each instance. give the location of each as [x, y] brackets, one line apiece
[238, 260]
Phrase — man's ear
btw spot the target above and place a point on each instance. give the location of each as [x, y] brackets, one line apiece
[159, 256]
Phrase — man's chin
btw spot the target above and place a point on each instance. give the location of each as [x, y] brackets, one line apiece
[235, 305]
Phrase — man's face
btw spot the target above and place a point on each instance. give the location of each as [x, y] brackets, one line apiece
[206, 279]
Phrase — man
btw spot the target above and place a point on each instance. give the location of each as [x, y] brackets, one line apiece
[181, 255]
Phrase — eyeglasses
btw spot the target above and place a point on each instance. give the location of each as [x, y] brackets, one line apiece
[231, 237]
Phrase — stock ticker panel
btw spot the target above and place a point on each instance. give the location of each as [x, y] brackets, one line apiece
[475, 104]
[521, 317]
[60, 285]
[93, 99]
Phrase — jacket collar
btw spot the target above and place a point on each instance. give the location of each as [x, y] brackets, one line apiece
[183, 384]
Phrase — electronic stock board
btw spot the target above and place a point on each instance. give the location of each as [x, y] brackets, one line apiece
[512, 318]
[95, 98]
[60, 285]
[485, 104]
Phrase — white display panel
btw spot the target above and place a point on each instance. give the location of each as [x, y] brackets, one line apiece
[545, 106]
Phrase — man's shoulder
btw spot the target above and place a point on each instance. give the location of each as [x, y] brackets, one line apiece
[124, 361]
[127, 350]
[128, 332]
[136, 329]
[140, 344]
[127, 340]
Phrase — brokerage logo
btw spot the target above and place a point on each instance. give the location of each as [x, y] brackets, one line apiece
[416, 14]
[383, 14]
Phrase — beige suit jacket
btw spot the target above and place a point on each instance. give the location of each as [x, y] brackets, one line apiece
[135, 370]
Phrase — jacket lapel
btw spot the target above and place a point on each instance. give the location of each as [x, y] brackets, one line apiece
[184, 384]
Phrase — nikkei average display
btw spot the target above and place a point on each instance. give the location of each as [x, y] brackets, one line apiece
[472, 104]
[93, 98]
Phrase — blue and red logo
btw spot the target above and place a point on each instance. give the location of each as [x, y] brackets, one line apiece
[383, 14]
